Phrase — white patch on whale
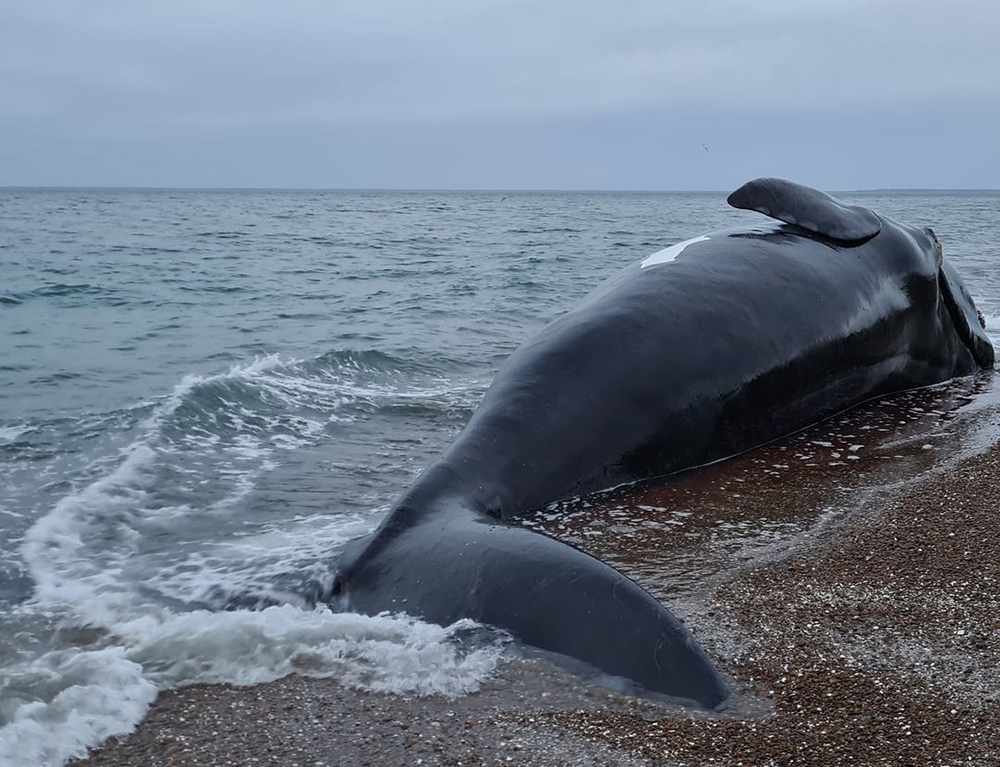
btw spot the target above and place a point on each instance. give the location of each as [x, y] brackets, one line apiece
[669, 254]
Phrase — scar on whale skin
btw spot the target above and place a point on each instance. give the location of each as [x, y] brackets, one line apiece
[670, 253]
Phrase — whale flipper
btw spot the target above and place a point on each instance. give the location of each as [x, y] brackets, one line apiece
[809, 208]
[545, 593]
[968, 321]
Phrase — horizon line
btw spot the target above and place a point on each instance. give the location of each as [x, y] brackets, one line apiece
[512, 190]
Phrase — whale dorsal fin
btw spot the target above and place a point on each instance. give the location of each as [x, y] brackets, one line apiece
[807, 207]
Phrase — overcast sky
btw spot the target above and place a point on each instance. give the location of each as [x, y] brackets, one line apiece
[558, 94]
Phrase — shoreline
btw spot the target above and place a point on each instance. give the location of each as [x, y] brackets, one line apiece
[874, 642]
[878, 647]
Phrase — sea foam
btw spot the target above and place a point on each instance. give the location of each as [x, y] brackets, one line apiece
[117, 621]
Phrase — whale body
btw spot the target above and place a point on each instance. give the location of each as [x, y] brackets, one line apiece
[701, 351]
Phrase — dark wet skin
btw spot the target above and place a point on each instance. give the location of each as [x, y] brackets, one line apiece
[743, 337]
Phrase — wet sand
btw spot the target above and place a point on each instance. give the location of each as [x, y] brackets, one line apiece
[854, 602]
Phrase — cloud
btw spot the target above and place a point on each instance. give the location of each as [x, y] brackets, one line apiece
[116, 70]
[232, 63]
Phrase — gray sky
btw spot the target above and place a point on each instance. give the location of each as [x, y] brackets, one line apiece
[557, 94]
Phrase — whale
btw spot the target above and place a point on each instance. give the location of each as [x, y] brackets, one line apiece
[700, 351]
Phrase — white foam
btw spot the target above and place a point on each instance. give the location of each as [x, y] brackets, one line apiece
[10, 433]
[384, 653]
[669, 254]
[304, 546]
[142, 647]
[52, 546]
[102, 694]
[107, 691]
[249, 371]
[84, 554]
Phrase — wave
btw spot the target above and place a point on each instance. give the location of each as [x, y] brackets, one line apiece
[545, 230]
[152, 618]
[101, 694]
[57, 290]
[11, 433]
[231, 423]
[291, 401]
[365, 359]
[107, 690]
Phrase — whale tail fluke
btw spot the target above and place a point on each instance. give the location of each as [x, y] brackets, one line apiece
[546, 594]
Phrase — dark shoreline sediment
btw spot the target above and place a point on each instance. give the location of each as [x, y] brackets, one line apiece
[878, 647]
[876, 644]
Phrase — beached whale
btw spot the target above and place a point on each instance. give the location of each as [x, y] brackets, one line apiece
[700, 351]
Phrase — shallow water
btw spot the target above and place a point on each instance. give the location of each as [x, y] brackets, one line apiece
[203, 392]
[678, 536]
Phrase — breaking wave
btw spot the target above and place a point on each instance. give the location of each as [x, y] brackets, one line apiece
[125, 565]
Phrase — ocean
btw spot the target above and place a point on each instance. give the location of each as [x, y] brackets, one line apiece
[205, 394]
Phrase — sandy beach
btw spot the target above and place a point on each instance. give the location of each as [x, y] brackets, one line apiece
[864, 634]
